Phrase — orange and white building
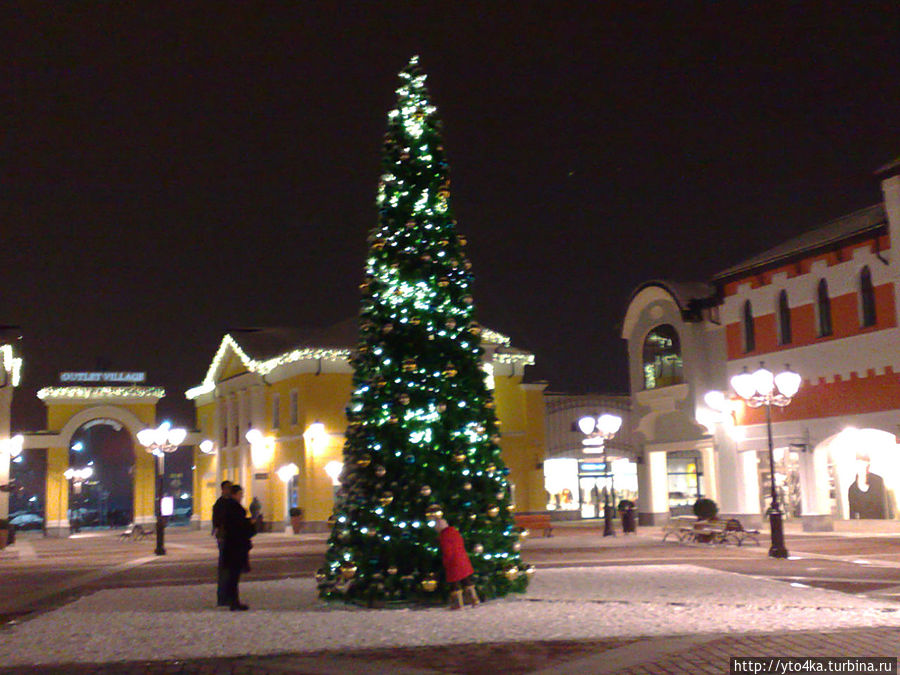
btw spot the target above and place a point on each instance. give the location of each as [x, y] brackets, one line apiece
[827, 304]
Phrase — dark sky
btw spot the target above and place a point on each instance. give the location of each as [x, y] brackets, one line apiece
[170, 173]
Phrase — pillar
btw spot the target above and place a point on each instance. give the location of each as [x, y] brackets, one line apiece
[653, 489]
[815, 499]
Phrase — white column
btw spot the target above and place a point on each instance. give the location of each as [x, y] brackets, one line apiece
[749, 483]
[814, 490]
[653, 487]
[710, 474]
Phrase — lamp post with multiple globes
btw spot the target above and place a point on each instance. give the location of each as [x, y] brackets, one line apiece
[160, 442]
[763, 388]
[598, 431]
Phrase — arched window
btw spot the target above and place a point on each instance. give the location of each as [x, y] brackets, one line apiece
[662, 358]
[784, 319]
[867, 297]
[749, 332]
[823, 303]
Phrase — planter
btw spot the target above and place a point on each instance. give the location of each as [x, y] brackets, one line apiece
[296, 516]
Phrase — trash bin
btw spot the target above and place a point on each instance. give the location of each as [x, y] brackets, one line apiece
[629, 516]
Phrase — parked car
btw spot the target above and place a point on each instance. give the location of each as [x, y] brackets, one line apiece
[27, 521]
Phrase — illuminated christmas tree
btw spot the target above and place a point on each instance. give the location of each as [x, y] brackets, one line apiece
[423, 438]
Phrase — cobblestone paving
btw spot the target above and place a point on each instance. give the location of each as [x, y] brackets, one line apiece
[597, 657]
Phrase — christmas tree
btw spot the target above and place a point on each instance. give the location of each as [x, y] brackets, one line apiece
[423, 439]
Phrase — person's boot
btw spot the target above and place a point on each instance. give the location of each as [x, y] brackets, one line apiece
[472, 596]
[456, 600]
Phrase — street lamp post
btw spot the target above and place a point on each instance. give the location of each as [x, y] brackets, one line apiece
[762, 388]
[598, 431]
[161, 441]
[76, 477]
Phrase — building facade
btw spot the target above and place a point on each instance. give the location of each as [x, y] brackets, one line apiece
[290, 389]
[824, 303]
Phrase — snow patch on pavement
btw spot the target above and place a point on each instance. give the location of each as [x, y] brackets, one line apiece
[178, 622]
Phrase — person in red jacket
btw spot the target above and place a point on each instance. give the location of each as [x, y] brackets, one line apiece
[457, 567]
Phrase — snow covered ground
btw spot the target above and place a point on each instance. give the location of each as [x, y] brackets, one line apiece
[286, 616]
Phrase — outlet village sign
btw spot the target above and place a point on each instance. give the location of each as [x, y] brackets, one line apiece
[105, 377]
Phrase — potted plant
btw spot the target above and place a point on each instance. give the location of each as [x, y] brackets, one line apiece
[706, 509]
[296, 515]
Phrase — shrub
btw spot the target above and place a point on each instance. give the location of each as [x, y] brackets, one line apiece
[705, 508]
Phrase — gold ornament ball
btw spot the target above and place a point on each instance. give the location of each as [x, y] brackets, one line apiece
[381, 384]
[467, 486]
[429, 585]
[378, 244]
[380, 471]
[500, 494]
[321, 577]
[404, 399]
[386, 498]
[459, 458]
[490, 468]
[529, 570]
[434, 511]
[392, 570]
[425, 491]
[511, 573]
[415, 321]
[475, 328]
[523, 533]
[425, 257]
[387, 328]
[443, 282]
[364, 461]
[410, 223]
[450, 323]
[510, 507]
[473, 516]
[517, 547]
[441, 407]
[462, 241]
[409, 365]
[332, 519]
[348, 571]
[493, 511]
[450, 370]
[478, 549]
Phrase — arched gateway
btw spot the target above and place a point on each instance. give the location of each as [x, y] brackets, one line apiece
[72, 408]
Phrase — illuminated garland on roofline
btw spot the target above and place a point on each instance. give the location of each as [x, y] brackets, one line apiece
[11, 364]
[101, 392]
[326, 354]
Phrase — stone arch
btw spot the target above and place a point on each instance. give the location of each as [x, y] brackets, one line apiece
[121, 415]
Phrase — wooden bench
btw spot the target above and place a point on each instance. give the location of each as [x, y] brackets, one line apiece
[534, 521]
[735, 532]
[135, 532]
[709, 532]
[680, 527]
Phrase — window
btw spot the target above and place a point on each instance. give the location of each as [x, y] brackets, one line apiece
[749, 332]
[867, 298]
[662, 358]
[295, 408]
[276, 411]
[784, 319]
[823, 304]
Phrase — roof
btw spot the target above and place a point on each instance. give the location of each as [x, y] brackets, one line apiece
[686, 293]
[852, 225]
[267, 343]
[889, 168]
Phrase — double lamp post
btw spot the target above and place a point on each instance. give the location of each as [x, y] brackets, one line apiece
[160, 442]
[598, 431]
[763, 388]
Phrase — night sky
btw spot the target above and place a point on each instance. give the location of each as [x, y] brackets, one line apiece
[171, 173]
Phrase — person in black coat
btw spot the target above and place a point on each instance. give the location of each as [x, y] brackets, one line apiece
[218, 530]
[236, 546]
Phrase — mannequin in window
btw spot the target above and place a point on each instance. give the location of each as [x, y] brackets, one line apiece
[867, 496]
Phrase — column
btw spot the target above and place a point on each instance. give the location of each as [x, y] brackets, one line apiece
[57, 492]
[814, 490]
[653, 488]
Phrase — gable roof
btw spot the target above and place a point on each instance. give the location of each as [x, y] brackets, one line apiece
[262, 350]
[860, 222]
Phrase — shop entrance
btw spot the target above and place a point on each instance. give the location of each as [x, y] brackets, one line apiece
[685, 473]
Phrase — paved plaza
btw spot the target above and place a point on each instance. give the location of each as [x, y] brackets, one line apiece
[675, 617]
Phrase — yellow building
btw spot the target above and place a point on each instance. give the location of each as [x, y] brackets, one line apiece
[289, 389]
